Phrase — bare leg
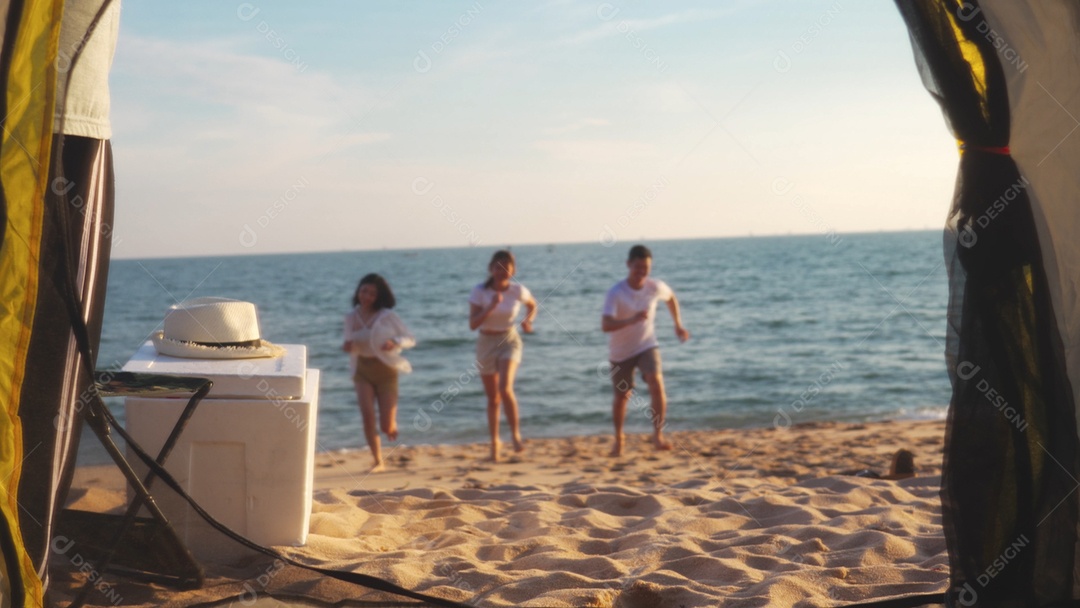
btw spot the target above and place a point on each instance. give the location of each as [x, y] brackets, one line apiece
[507, 371]
[365, 396]
[388, 413]
[491, 389]
[659, 409]
[618, 415]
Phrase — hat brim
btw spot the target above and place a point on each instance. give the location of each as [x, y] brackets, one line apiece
[191, 350]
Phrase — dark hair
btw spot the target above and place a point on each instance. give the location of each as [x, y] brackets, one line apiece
[501, 257]
[385, 297]
[639, 252]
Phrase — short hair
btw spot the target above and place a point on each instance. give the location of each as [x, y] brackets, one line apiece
[639, 252]
[384, 297]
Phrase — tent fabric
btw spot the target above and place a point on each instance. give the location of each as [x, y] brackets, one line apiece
[30, 41]
[75, 247]
[1009, 500]
[1043, 79]
[1042, 75]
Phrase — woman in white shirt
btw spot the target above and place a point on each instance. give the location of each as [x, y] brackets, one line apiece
[374, 339]
[493, 307]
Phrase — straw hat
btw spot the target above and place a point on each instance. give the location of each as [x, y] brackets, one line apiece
[213, 328]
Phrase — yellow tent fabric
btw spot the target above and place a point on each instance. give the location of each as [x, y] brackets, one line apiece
[25, 146]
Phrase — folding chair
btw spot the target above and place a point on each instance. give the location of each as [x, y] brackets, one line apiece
[147, 548]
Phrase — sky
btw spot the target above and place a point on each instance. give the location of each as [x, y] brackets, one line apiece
[263, 127]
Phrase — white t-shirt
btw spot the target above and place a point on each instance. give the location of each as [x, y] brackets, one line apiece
[502, 318]
[623, 302]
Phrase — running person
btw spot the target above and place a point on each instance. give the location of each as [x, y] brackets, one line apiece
[493, 307]
[374, 337]
[629, 320]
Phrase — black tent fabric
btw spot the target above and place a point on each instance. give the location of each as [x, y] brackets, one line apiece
[1010, 474]
[74, 241]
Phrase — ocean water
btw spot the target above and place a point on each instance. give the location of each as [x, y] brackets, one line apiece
[784, 330]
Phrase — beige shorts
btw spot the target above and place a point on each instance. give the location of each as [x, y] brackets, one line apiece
[492, 348]
[376, 373]
[622, 372]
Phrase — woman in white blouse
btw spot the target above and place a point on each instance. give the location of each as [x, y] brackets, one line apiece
[374, 339]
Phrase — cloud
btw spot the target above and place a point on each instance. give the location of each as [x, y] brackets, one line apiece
[601, 151]
[212, 91]
[579, 125]
[210, 114]
[208, 136]
[669, 97]
[612, 23]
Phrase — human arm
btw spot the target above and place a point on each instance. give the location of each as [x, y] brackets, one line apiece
[478, 312]
[402, 342]
[530, 314]
[608, 323]
[680, 331]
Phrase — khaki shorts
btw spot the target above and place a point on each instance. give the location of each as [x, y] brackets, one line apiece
[376, 373]
[622, 372]
[492, 348]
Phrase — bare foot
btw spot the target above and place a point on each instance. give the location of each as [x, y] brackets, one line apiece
[392, 433]
[660, 443]
[616, 450]
[519, 445]
[378, 467]
[495, 447]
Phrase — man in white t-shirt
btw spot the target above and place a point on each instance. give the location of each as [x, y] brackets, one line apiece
[629, 320]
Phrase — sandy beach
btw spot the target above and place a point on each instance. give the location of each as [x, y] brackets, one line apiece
[759, 517]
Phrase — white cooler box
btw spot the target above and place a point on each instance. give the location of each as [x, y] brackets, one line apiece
[247, 461]
[266, 378]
